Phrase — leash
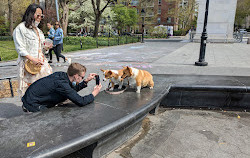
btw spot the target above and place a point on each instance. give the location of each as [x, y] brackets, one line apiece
[109, 84]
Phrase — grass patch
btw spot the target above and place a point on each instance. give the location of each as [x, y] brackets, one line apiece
[70, 48]
[8, 52]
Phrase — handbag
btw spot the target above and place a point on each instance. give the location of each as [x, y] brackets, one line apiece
[29, 66]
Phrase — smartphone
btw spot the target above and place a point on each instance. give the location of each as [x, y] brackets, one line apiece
[97, 79]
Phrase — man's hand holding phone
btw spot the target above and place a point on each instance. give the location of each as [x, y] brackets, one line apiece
[97, 89]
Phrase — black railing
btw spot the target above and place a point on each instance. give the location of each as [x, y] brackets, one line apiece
[10, 83]
[87, 42]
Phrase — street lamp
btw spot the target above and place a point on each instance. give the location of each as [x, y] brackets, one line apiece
[143, 18]
[201, 61]
[109, 24]
[109, 28]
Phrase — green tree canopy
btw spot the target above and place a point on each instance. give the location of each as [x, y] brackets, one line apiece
[185, 14]
[85, 17]
[242, 11]
[124, 16]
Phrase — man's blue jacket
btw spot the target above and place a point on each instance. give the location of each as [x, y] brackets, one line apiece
[53, 89]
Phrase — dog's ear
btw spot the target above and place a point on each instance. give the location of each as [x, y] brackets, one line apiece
[102, 70]
[109, 72]
[130, 70]
[127, 67]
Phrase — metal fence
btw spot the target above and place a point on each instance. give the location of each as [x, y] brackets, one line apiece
[101, 41]
[10, 83]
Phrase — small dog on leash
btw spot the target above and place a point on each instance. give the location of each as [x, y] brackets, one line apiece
[141, 78]
[114, 76]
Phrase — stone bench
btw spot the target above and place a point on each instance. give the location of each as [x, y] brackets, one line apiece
[105, 124]
[98, 128]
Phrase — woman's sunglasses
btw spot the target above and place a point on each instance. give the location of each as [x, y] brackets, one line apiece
[40, 16]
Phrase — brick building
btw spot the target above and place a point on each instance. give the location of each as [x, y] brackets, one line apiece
[157, 12]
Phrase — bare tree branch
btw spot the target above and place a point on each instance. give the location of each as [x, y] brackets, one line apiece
[78, 6]
[98, 2]
[93, 5]
[105, 6]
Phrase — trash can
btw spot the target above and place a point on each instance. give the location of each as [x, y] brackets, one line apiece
[248, 40]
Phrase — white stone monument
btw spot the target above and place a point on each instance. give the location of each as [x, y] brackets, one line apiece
[220, 24]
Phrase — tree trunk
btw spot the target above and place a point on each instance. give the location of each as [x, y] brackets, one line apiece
[98, 12]
[65, 18]
[97, 24]
[10, 16]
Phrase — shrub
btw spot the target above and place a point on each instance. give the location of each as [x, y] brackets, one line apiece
[159, 32]
[6, 38]
[75, 40]
[4, 28]
[180, 32]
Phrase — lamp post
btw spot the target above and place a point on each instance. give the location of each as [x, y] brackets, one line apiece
[109, 28]
[109, 24]
[143, 18]
[201, 61]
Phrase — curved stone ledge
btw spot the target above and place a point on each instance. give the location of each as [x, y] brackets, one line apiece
[61, 131]
[210, 88]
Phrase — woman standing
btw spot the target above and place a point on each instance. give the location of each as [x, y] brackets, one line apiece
[58, 43]
[29, 42]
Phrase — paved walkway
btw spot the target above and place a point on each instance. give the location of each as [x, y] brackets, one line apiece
[184, 131]
[162, 57]
[181, 133]
[223, 59]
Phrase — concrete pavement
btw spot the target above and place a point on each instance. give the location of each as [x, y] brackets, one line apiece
[182, 133]
[173, 133]
[223, 59]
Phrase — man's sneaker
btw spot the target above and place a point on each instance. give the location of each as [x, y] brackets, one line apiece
[50, 61]
[69, 60]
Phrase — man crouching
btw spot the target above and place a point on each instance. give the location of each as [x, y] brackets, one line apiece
[57, 87]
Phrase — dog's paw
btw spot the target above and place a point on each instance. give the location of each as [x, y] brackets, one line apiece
[138, 91]
[151, 87]
[132, 86]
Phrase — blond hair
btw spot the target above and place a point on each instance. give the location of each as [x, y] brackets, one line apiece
[76, 68]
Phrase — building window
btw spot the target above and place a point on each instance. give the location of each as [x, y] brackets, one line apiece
[159, 2]
[159, 20]
[169, 20]
[170, 10]
[159, 10]
[134, 3]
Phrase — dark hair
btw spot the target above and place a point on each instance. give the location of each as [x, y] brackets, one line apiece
[58, 23]
[28, 16]
[75, 68]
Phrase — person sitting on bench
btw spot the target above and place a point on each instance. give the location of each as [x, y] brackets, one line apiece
[58, 87]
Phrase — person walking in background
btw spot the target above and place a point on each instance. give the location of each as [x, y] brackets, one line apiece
[51, 34]
[29, 43]
[58, 43]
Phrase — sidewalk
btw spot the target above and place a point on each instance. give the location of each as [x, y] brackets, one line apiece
[223, 59]
[173, 133]
[158, 58]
